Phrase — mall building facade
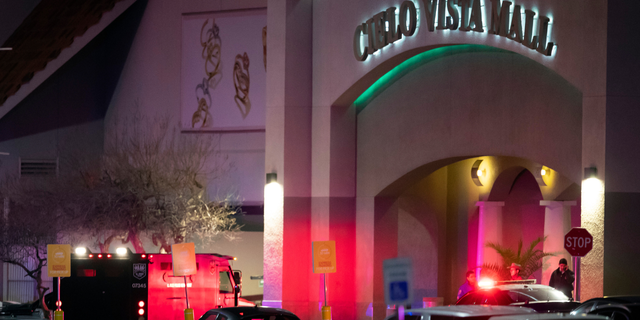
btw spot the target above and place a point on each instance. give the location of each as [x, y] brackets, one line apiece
[421, 129]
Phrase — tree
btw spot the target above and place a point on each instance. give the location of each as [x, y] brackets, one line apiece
[34, 219]
[530, 260]
[153, 182]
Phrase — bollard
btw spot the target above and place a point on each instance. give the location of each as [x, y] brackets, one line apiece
[188, 314]
[326, 313]
[58, 315]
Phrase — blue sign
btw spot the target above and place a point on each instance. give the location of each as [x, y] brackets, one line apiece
[399, 291]
[398, 277]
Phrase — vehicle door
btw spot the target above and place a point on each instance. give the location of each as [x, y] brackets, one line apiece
[226, 291]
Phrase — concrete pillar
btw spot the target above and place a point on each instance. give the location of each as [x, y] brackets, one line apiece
[594, 124]
[287, 240]
[557, 222]
[489, 230]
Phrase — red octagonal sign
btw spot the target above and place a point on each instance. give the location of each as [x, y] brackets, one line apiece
[578, 242]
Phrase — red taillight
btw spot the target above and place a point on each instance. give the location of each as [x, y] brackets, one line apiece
[141, 304]
[90, 256]
[100, 256]
[109, 256]
[141, 312]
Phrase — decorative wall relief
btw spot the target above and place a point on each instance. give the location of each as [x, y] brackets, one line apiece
[264, 46]
[230, 92]
[211, 47]
[241, 81]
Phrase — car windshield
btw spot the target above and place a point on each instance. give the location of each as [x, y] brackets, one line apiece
[541, 294]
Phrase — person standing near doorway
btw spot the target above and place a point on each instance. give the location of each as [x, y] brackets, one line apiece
[562, 278]
[469, 285]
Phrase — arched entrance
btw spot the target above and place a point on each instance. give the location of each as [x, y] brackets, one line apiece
[417, 140]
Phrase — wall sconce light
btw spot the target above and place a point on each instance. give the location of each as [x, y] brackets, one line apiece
[272, 177]
[476, 173]
[543, 172]
[590, 172]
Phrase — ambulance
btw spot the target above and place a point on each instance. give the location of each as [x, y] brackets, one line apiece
[142, 287]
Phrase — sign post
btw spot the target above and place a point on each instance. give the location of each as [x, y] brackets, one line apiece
[58, 265]
[398, 283]
[183, 256]
[324, 261]
[578, 242]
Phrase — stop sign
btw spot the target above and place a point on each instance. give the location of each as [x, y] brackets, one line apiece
[578, 242]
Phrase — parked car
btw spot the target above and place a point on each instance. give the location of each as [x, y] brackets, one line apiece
[30, 309]
[248, 313]
[615, 307]
[6, 303]
[466, 312]
[536, 296]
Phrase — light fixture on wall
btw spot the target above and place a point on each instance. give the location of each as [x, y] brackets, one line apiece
[590, 172]
[476, 173]
[541, 174]
[272, 177]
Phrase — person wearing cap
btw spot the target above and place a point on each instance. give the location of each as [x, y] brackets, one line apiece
[562, 278]
[514, 270]
[470, 285]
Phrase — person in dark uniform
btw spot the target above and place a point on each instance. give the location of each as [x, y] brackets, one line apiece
[562, 278]
[469, 285]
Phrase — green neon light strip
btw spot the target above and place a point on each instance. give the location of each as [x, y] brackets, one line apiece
[412, 64]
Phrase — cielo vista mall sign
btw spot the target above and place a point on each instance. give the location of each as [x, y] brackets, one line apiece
[387, 27]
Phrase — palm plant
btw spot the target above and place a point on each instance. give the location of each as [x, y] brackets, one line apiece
[530, 260]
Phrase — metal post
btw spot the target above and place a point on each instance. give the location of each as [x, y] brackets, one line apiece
[576, 269]
[59, 304]
[185, 291]
[325, 289]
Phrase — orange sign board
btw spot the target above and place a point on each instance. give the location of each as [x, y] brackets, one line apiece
[324, 256]
[183, 256]
[59, 260]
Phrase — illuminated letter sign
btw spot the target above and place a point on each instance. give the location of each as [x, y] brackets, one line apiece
[463, 15]
[376, 29]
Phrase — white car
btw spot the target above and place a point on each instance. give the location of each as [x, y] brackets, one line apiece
[462, 312]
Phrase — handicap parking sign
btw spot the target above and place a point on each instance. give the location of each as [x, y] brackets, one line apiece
[398, 277]
[398, 290]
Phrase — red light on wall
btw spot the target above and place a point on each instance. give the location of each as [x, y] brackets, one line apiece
[141, 312]
[144, 256]
[90, 256]
[109, 256]
[141, 304]
[150, 256]
[99, 256]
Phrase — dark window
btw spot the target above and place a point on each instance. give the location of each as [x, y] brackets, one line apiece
[503, 298]
[211, 316]
[225, 283]
[488, 298]
[468, 299]
[613, 314]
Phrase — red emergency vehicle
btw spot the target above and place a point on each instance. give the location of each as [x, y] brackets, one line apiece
[142, 286]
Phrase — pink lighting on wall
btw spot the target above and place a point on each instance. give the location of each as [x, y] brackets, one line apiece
[273, 242]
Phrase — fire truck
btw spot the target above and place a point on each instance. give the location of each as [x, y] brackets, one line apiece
[142, 287]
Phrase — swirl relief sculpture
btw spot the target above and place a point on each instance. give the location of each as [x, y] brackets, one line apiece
[211, 53]
[241, 81]
[223, 89]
